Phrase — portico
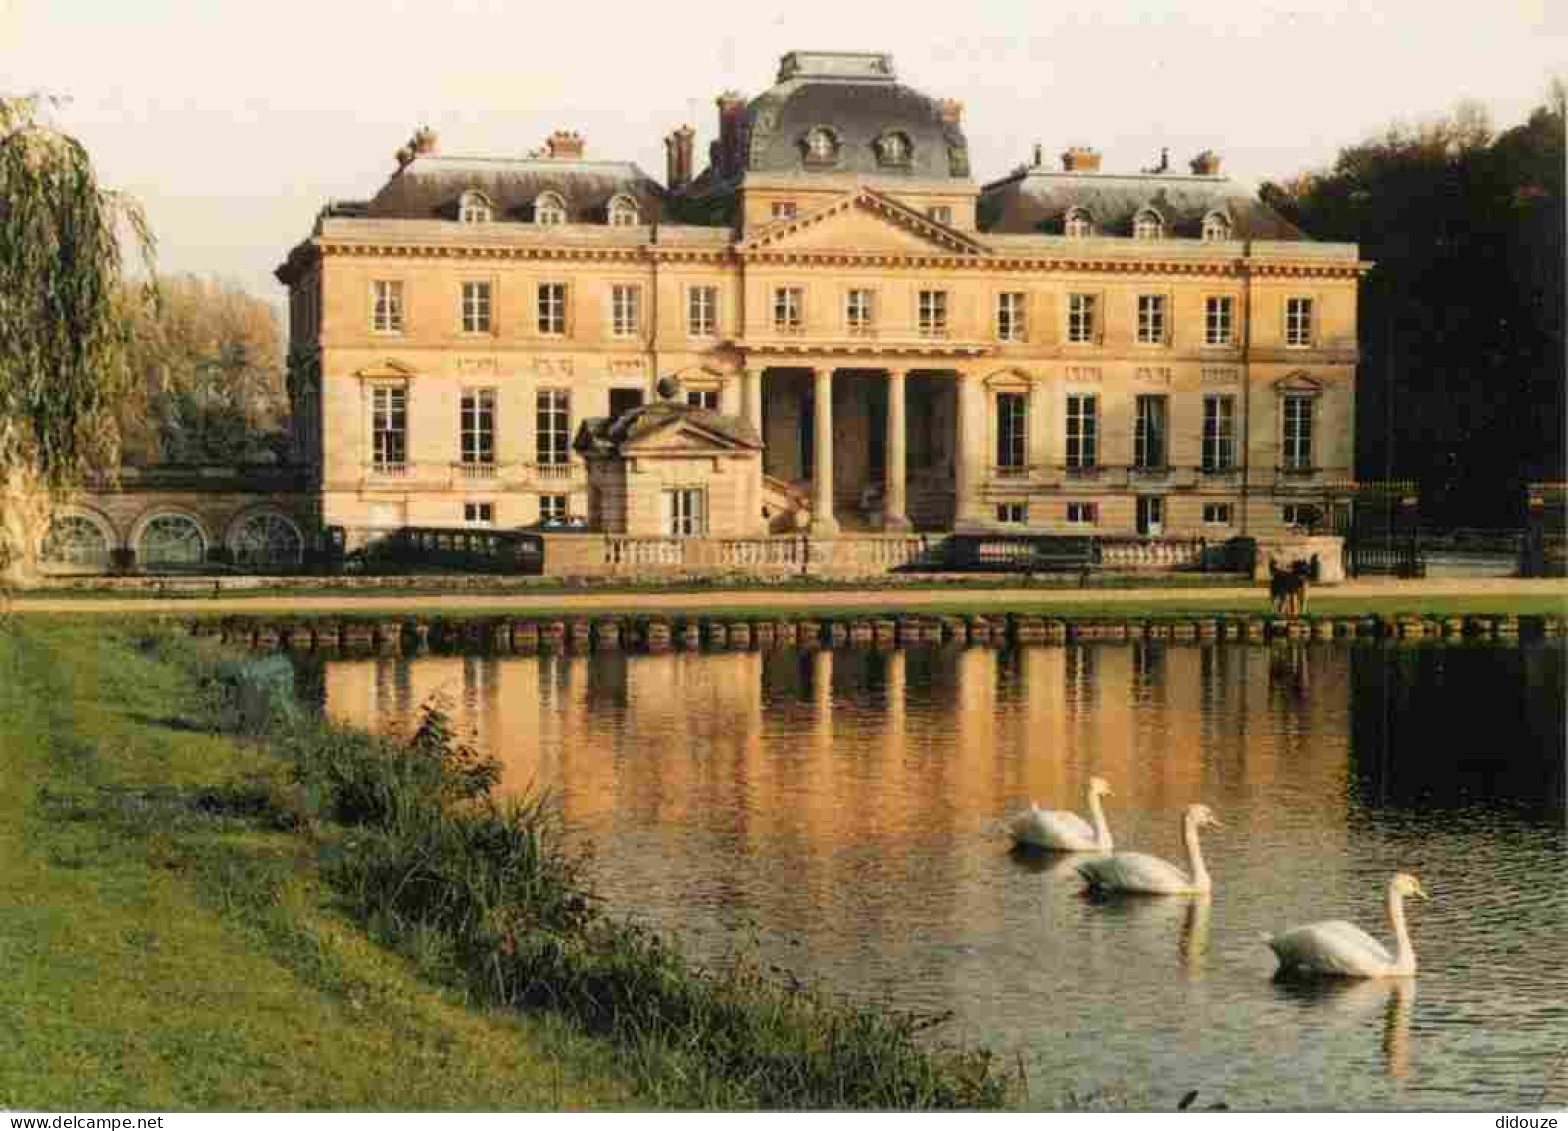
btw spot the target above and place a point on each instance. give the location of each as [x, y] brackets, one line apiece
[901, 452]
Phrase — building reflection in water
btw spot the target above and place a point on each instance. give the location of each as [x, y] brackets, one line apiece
[869, 771]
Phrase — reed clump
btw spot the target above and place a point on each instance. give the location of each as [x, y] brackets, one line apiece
[486, 892]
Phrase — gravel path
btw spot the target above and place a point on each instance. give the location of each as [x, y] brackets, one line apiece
[1378, 588]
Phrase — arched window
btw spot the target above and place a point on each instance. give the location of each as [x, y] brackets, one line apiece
[171, 540]
[1216, 227]
[1079, 225]
[266, 539]
[893, 148]
[1147, 225]
[623, 212]
[75, 540]
[549, 208]
[821, 146]
[473, 208]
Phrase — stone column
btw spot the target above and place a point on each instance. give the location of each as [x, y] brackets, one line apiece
[895, 489]
[969, 457]
[751, 396]
[823, 524]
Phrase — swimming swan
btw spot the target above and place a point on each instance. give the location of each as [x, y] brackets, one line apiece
[1135, 872]
[1340, 949]
[1062, 831]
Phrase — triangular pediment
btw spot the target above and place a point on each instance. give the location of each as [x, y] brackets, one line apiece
[1298, 382]
[386, 369]
[864, 222]
[681, 437]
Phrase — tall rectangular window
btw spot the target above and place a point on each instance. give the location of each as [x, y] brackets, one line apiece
[788, 309]
[552, 508]
[859, 311]
[1151, 320]
[1219, 433]
[552, 308]
[1217, 320]
[1149, 432]
[1298, 322]
[1012, 435]
[554, 423]
[702, 312]
[625, 310]
[386, 315]
[1297, 439]
[941, 213]
[685, 512]
[783, 209]
[477, 426]
[1082, 430]
[389, 426]
[1010, 319]
[1081, 318]
[933, 314]
[476, 308]
[703, 398]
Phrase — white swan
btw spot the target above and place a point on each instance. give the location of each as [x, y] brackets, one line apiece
[1342, 949]
[1133, 872]
[1062, 831]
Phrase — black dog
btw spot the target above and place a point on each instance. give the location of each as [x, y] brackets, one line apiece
[1288, 588]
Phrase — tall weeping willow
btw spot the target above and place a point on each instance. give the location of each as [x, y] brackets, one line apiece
[64, 324]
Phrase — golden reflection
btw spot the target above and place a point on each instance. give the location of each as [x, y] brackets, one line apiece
[852, 764]
[1352, 1002]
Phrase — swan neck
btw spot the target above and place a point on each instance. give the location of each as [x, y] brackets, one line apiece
[1200, 874]
[1102, 831]
[1404, 951]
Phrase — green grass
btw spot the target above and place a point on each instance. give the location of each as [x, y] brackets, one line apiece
[321, 918]
[161, 953]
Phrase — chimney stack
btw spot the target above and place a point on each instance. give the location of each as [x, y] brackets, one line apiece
[563, 144]
[1206, 164]
[678, 157]
[1081, 159]
[732, 109]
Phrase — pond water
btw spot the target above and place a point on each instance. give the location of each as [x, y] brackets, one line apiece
[839, 809]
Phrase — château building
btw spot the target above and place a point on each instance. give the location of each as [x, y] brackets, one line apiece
[867, 337]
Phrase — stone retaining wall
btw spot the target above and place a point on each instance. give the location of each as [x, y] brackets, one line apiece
[508, 635]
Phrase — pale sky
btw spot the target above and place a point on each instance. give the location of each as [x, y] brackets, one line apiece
[234, 122]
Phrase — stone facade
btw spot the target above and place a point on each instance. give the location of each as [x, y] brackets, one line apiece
[1059, 350]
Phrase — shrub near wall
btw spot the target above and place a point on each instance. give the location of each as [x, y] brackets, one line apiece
[486, 893]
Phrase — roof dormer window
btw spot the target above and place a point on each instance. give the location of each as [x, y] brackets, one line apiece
[1147, 225]
[549, 208]
[1078, 225]
[820, 146]
[893, 148]
[1216, 227]
[473, 208]
[623, 212]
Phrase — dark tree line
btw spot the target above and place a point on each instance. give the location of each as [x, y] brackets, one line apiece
[1461, 383]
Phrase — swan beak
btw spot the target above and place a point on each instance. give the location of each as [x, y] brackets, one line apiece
[1214, 823]
[1421, 892]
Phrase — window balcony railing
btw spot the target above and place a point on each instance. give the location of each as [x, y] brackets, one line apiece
[472, 470]
[387, 470]
[1220, 470]
[789, 329]
[933, 331]
[556, 471]
[1150, 471]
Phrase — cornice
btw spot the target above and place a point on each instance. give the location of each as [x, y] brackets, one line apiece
[738, 254]
[862, 347]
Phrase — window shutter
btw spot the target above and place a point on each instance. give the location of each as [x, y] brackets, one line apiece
[667, 512]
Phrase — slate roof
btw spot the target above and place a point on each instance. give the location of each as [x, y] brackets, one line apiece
[429, 188]
[1037, 200]
[606, 434]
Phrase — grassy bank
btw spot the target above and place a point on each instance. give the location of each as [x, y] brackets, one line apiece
[327, 919]
[162, 948]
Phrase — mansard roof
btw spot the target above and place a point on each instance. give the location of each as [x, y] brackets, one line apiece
[1038, 200]
[429, 188]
